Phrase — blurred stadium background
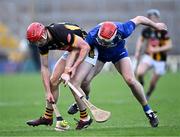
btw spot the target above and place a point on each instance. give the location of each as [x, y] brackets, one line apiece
[25, 93]
[16, 15]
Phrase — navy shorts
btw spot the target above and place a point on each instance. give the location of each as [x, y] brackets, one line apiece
[112, 54]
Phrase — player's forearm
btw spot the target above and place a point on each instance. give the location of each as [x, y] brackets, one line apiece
[144, 21]
[165, 48]
[70, 60]
[46, 78]
[82, 55]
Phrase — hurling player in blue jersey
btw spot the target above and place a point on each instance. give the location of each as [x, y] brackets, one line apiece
[109, 38]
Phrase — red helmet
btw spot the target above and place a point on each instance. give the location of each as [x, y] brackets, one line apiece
[35, 31]
[107, 31]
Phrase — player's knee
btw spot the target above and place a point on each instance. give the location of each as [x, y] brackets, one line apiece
[76, 83]
[85, 83]
[85, 86]
[130, 81]
[139, 73]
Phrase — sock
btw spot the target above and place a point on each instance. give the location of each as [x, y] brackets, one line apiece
[147, 109]
[48, 113]
[84, 115]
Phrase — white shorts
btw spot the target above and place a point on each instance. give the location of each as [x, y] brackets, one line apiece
[87, 59]
[159, 66]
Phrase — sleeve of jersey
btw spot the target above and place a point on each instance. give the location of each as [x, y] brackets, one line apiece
[128, 28]
[67, 37]
[74, 39]
[166, 35]
[43, 51]
[89, 40]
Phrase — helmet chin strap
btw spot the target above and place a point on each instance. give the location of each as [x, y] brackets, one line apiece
[44, 35]
[44, 39]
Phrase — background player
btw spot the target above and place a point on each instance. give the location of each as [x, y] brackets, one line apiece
[157, 43]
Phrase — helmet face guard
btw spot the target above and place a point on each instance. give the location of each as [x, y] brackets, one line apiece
[104, 42]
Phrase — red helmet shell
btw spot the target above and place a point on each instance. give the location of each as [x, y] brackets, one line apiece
[107, 31]
[35, 31]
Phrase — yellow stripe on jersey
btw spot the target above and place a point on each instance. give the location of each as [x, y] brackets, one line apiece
[75, 41]
[46, 54]
[164, 42]
[158, 56]
[71, 27]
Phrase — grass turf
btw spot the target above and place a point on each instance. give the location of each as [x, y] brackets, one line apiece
[22, 98]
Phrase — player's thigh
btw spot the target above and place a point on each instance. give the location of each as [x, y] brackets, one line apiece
[124, 67]
[144, 65]
[94, 71]
[81, 72]
[58, 70]
[142, 68]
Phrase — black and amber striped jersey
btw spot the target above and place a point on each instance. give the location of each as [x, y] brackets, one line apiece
[64, 37]
[155, 38]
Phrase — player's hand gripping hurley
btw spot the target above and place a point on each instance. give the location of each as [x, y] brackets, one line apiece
[98, 114]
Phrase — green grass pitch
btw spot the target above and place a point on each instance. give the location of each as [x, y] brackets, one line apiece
[22, 98]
